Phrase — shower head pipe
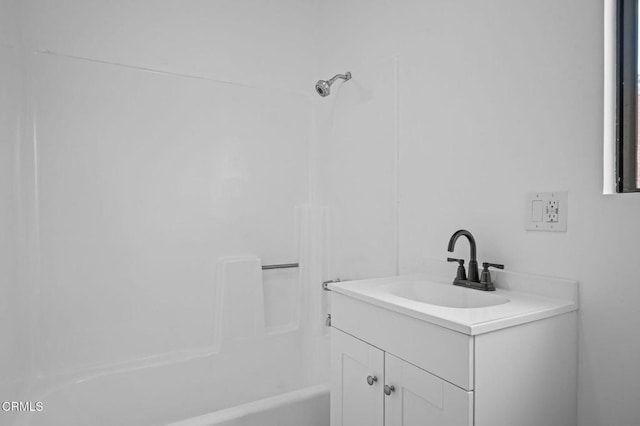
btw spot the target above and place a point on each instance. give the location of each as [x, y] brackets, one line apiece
[345, 77]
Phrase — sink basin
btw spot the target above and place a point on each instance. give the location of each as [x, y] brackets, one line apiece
[448, 296]
[432, 297]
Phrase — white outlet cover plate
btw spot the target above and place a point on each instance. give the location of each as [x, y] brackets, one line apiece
[538, 217]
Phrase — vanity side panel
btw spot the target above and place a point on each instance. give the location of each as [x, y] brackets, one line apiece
[527, 375]
[440, 351]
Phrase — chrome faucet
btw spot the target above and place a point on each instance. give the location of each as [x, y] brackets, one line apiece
[474, 280]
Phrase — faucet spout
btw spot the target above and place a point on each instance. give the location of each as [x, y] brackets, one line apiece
[473, 263]
[465, 233]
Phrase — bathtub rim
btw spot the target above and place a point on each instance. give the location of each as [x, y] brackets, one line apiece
[253, 407]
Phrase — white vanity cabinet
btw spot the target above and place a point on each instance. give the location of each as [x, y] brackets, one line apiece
[420, 398]
[413, 397]
[357, 371]
[517, 370]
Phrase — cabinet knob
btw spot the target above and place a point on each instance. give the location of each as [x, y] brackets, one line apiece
[388, 389]
[371, 380]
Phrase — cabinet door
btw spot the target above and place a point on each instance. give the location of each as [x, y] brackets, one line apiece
[355, 399]
[422, 399]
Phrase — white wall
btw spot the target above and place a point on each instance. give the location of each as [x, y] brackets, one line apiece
[492, 99]
[167, 135]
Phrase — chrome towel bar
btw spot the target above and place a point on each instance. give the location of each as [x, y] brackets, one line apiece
[280, 266]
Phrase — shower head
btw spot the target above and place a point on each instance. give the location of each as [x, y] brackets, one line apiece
[323, 87]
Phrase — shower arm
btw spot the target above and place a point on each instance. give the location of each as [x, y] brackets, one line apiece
[345, 77]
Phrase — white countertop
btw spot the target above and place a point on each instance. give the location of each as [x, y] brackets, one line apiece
[531, 298]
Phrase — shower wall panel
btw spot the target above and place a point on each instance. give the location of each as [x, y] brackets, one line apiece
[357, 157]
[161, 137]
[145, 181]
[254, 42]
[15, 354]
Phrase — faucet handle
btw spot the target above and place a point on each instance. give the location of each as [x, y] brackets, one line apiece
[485, 276]
[461, 273]
[487, 265]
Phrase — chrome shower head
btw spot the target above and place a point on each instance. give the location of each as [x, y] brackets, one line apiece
[323, 87]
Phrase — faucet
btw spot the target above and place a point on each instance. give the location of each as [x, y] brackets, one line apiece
[473, 262]
[474, 280]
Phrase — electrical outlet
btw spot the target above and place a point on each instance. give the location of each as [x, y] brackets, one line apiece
[551, 211]
[546, 211]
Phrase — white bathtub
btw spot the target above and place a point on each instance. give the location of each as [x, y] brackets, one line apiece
[273, 384]
[304, 407]
[258, 359]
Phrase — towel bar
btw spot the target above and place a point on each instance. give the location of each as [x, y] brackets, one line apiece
[280, 266]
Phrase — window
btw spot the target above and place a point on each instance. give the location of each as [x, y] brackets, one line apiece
[627, 157]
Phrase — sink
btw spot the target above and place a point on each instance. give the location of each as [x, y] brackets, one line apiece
[432, 297]
[443, 295]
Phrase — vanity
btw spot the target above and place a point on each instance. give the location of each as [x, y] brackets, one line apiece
[417, 350]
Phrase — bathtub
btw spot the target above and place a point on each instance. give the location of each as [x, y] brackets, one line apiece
[239, 387]
[304, 407]
[263, 360]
